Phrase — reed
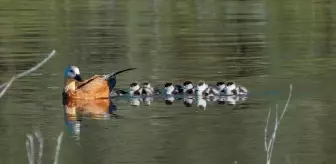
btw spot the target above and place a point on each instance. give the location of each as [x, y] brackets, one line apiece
[4, 87]
[31, 149]
[269, 143]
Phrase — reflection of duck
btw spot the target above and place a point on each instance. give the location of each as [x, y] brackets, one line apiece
[96, 109]
[76, 110]
[201, 103]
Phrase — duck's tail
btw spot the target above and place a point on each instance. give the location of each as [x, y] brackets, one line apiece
[111, 78]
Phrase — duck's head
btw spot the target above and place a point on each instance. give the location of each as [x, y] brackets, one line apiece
[221, 85]
[72, 72]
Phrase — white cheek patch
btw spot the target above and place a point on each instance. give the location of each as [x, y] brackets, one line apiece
[231, 87]
[221, 87]
[75, 70]
[71, 74]
[169, 89]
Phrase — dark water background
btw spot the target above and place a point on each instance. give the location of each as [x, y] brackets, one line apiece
[263, 45]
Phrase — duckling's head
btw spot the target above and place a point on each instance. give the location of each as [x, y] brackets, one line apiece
[201, 87]
[134, 86]
[169, 88]
[146, 85]
[72, 72]
[220, 85]
[187, 85]
[231, 85]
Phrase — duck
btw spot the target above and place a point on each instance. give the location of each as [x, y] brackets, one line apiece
[96, 87]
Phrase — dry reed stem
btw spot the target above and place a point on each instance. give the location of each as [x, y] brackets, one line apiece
[6, 85]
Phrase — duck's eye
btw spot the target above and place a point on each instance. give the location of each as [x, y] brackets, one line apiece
[71, 71]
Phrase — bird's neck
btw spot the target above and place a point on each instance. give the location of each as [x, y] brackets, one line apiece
[69, 85]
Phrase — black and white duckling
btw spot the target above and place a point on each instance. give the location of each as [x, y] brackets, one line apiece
[202, 89]
[217, 90]
[233, 89]
[147, 89]
[170, 89]
[220, 86]
[188, 88]
[134, 89]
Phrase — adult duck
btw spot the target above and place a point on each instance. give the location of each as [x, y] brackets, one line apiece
[96, 87]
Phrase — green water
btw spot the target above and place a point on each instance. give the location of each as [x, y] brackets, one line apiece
[263, 45]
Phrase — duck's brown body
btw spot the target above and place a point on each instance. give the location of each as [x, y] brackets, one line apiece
[87, 107]
[94, 88]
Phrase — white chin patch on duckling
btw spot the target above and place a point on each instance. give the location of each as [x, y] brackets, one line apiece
[231, 87]
[169, 89]
[221, 87]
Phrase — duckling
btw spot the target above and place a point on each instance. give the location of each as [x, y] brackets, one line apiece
[147, 89]
[233, 89]
[134, 89]
[170, 89]
[202, 89]
[188, 88]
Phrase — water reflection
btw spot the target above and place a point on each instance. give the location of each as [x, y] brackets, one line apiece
[77, 110]
[188, 101]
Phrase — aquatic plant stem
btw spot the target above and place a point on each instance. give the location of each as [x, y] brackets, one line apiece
[270, 144]
[58, 147]
[6, 85]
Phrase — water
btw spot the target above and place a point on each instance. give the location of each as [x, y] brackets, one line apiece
[262, 45]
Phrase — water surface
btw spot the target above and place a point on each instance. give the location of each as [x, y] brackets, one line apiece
[262, 45]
